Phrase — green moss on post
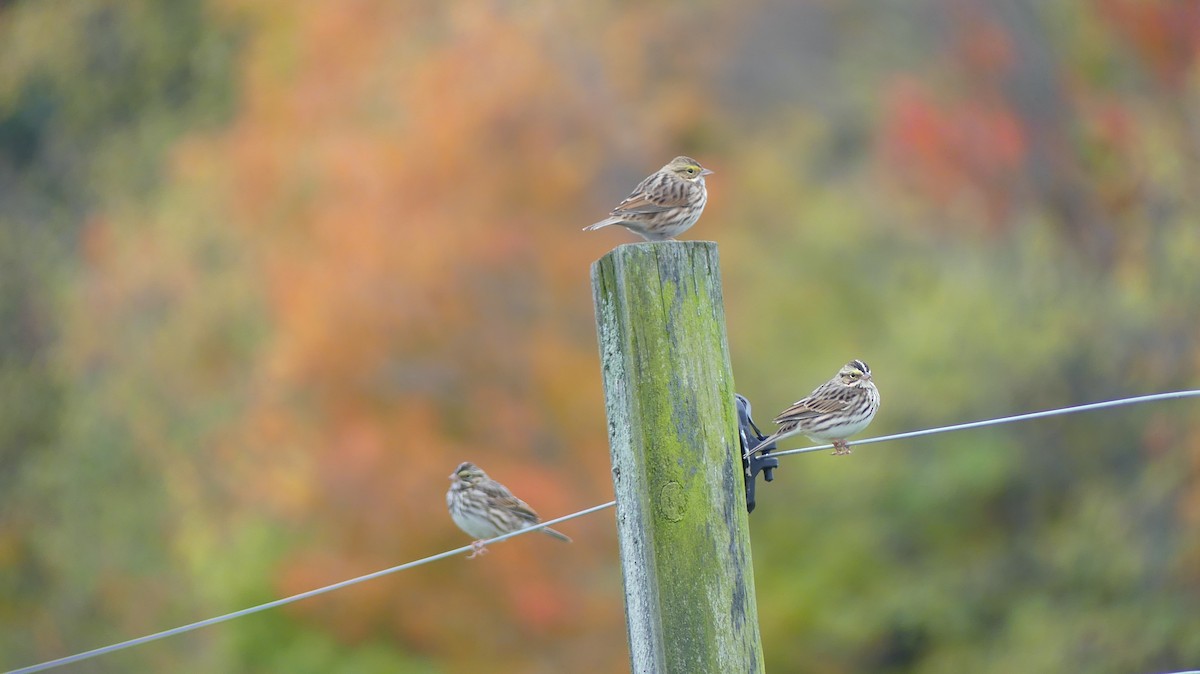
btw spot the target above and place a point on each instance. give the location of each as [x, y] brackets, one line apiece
[681, 503]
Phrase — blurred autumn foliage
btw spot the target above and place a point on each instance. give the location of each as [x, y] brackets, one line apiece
[270, 270]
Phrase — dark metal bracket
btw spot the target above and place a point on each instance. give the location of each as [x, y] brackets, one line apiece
[750, 437]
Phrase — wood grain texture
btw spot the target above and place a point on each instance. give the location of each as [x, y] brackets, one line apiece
[681, 503]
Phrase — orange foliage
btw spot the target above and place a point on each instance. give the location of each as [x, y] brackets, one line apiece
[1165, 35]
[411, 179]
[950, 150]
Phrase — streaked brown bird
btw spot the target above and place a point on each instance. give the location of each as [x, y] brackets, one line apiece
[484, 508]
[837, 409]
[664, 205]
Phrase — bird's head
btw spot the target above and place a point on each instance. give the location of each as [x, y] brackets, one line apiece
[855, 373]
[687, 168]
[468, 473]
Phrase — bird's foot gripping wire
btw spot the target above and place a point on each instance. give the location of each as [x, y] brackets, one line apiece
[760, 461]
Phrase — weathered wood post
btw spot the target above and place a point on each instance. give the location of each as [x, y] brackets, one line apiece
[672, 427]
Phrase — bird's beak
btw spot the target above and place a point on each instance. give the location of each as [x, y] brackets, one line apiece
[451, 475]
[704, 172]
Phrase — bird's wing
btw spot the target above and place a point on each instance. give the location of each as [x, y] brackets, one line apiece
[822, 401]
[645, 200]
[502, 497]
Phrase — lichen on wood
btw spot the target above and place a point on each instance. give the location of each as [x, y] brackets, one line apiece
[681, 509]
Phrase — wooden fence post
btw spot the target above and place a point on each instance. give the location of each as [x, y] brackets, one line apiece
[672, 426]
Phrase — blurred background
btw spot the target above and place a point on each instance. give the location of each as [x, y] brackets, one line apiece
[270, 270]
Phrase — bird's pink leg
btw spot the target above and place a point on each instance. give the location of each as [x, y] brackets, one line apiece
[477, 549]
[841, 447]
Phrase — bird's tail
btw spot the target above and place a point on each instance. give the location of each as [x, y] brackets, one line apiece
[557, 534]
[603, 223]
[764, 443]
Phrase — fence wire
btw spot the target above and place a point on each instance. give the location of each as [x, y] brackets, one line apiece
[587, 511]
